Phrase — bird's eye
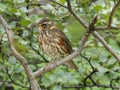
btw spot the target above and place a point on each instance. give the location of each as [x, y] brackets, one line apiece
[44, 25]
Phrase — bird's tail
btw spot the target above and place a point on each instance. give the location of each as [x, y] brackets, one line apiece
[71, 65]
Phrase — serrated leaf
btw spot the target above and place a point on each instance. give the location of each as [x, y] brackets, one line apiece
[57, 88]
[12, 60]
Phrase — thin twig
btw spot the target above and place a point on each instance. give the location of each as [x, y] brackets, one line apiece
[12, 81]
[75, 15]
[90, 77]
[106, 28]
[93, 70]
[112, 12]
[38, 53]
[59, 4]
[8, 74]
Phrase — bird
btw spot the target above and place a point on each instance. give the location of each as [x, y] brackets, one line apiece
[53, 42]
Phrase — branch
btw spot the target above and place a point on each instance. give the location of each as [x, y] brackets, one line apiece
[95, 33]
[94, 70]
[112, 12]
[12, 81]
[92, 85]
[108, 48]
[42, 56]
[8, 74]
[75, 15]
[106, 28]
[90, 77]
[112, 82]
[59, 4]
[28, 71]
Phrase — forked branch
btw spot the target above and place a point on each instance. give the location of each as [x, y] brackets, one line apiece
[111, 14]
[23, 61]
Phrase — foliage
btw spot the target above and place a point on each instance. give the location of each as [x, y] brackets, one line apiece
[22, 20]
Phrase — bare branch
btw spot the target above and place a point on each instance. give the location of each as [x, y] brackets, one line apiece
[108, 48]
[93, 21]
[75, 15]
[90, 77]
[107, 28]
[28, 71]
[112, 12]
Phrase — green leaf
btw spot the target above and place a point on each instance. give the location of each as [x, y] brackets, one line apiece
[33, 18]
[67, 76]
[103, 57]
[20, 1]
[57, 87]
[32, 67]
[111, 61]
[2, 7]
[98, 8]
[118, 37]
[19, 70]
[35, 46]
[45, 81]
[12, 60]
[62, 1]
[24, 9]
[13, 24]
[25, 22]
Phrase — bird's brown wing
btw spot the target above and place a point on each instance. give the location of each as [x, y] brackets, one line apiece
[65, 45]
[63, 40]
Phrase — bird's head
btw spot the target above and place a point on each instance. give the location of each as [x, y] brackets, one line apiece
[44, 24]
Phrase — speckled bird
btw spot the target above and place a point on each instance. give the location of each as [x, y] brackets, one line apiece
[54, 42]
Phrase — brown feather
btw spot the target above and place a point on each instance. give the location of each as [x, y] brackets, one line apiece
[54, 42]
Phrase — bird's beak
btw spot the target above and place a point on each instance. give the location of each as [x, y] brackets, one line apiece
[39, 27]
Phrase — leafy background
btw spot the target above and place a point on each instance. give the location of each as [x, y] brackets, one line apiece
[22, 17]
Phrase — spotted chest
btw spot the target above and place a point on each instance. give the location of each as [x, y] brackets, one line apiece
[51, 44]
